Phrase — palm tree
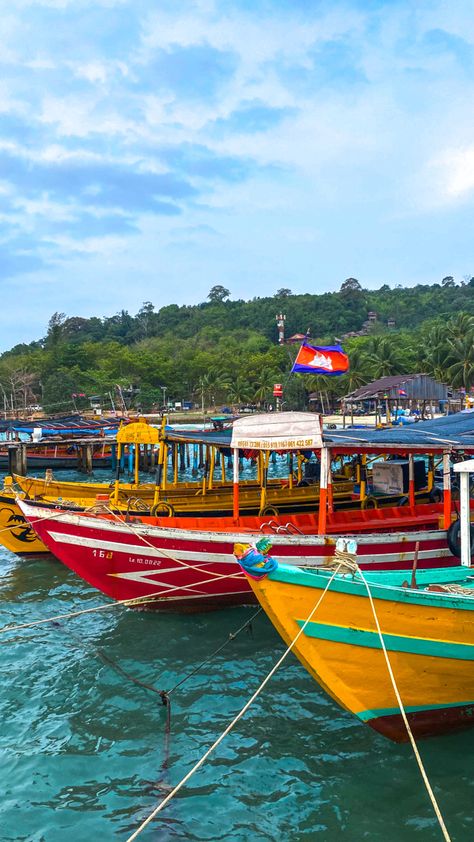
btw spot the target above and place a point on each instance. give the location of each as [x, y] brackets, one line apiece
[240, 391]
[460, 325]
[385, 359]
[461, 356]
[357, 375]
[263, 385]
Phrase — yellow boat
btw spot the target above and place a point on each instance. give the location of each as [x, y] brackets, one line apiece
[428, 633]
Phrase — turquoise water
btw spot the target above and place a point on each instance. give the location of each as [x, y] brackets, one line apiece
[83, 750]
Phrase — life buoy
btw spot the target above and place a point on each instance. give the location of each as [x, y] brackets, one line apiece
[435, 495]
[268, 510]
[369, 503]
[162, 509]
[454, 538]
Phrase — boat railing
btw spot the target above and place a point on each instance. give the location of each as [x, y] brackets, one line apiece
[280, 528]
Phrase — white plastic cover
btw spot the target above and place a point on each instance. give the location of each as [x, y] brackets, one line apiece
[277, 431]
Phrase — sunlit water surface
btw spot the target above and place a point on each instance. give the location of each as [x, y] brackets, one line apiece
[84, 755]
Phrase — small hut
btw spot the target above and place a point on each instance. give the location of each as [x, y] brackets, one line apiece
[418, 393]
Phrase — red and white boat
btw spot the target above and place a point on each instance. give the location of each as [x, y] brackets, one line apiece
[189, 562]
[192, 565]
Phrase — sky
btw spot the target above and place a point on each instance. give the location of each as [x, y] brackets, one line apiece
[151, 149]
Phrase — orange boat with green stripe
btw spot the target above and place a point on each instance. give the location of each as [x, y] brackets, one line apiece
[428, 633]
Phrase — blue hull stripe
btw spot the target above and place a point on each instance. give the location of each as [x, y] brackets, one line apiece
[393, 642]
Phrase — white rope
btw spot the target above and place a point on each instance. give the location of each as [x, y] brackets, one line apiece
[405, 718]
[209, 751]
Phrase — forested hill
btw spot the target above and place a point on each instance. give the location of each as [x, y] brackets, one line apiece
[225, 350]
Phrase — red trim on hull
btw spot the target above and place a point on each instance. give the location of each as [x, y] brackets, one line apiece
[425, 723]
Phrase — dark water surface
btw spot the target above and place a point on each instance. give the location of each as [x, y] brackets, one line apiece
[83, 751]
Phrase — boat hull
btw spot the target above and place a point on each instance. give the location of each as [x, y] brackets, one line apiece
[195, 568]
[429, 637]
[16, 533]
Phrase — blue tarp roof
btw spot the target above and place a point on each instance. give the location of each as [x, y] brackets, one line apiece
[451, 430]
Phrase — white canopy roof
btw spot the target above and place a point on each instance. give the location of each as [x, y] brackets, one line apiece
[277, 431]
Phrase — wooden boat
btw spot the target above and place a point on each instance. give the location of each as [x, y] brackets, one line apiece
[191, 563]
[60, 457]
[428, 633]
[324, 518]
[425, 625]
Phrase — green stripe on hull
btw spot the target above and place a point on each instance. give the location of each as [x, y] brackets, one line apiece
[368, 715]
[386, 585]
[393, 642]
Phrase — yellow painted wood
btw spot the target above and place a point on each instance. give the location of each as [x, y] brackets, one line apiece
[355, 676]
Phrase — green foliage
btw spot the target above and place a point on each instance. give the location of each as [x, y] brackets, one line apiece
[226, 352]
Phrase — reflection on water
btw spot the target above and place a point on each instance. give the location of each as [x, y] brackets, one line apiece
[83, 751]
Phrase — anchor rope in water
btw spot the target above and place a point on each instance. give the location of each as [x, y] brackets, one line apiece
[166, 693]
[404, 715]
[229, 639]
[231, 725]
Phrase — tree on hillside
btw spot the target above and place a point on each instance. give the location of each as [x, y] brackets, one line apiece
[144, 317]
[218, 293]
[284, 292]
[448, 281]
[55, 329]
[350, 285]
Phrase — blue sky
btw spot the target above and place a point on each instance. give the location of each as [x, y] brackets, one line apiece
[151, 149]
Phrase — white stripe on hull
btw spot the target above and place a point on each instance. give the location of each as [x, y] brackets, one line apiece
[204, 558]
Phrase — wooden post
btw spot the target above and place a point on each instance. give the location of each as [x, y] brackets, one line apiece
[87, 458]
[115, 494]
[411, 481]
[12, 466]
[465, 519]
[323, 494]
[465, 469]
[223, 478]
[236, 485]
[363, 477]
[164, 479]
[446, 491]
[212, 465]
[330, 485]
[137, 463]
[263, 486]
[430, 472]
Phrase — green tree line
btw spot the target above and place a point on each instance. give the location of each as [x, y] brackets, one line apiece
[226, 352]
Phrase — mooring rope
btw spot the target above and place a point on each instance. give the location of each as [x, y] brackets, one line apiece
[229, 728]
[404, 716]
[156, 596]
[230, 638]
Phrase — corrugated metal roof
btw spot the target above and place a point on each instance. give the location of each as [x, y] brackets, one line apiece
[416, 386]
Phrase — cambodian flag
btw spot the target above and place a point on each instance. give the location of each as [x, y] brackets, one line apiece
[402, 393]
[330, 360]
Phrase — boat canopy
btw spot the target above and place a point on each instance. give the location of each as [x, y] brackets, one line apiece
[138, 433]
[278, 431]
